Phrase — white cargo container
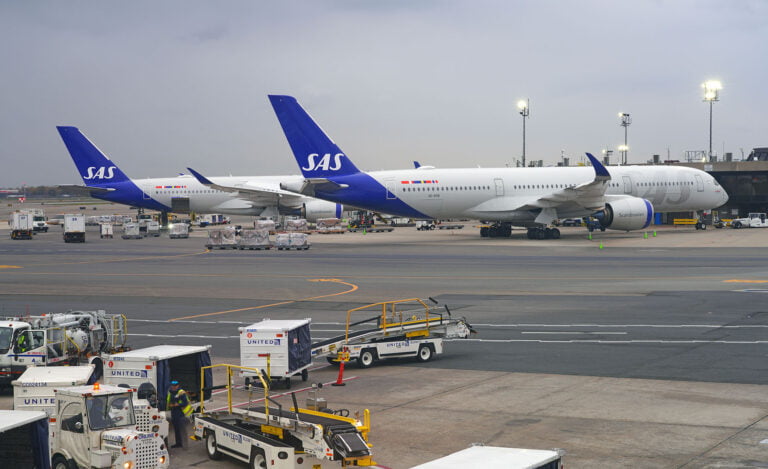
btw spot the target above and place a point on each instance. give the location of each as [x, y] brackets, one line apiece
[159, 365]
[153, 228]
[281, 348]
[74, 228]
[495, 457]
[22, 225]
[34, 388]
[178, 231]
[131, 231]
[24, 439]
[106, 230]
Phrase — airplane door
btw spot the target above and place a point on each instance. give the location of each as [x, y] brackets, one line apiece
[390, 186]
[627, 184]
[499, 183]
[699, 183]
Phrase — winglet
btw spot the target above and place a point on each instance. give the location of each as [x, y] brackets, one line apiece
[416, 164]
[317, 155]
[202, 179]
[601, 173]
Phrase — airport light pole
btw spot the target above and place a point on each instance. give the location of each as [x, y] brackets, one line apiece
[712, 94]
[626, 119]
[525, 110]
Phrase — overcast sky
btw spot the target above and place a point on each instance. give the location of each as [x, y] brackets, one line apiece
[162, 85]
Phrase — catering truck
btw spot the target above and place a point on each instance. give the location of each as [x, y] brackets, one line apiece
[71, 338]
[95, 427]
[74, 228]
[21, 225]
[159, 365]
[24, 439]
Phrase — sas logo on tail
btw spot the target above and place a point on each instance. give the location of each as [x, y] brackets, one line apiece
[326, 163]
[94, 173]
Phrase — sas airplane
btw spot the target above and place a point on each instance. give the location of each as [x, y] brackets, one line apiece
[625, 198]
[254, 196]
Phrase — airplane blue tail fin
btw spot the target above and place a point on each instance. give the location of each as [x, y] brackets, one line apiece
[315, 152]
[95, 168]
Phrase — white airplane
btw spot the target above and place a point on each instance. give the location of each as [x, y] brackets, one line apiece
[255, 196]
[623, 199]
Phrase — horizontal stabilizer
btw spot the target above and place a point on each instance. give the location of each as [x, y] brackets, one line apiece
[86, 190]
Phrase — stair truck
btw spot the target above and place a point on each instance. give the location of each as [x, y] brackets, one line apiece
[35, 390]
[403, 328]
[279, 348]
[74, 228]
[24, 439]
[71, 338]
[95, 427]
[22, 226]
[268, 436]
[158, 366]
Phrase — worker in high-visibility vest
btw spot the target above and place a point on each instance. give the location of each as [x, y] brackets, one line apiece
[22, 344]
[177, 402]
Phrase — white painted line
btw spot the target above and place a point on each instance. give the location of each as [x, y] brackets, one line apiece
[596, 341]
[662, 326]
[574, 332]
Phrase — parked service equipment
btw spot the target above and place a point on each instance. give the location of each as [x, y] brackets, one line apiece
[34, 390]
[159, 365]
[21, 225]
[131, 231]
[95, 427]
[106, 230]
[279, 348]
[178, 231]
[74, 228]
[403, 328]
[254, 239]
[39, 220]
[330, 225]
[495, 457]
[268, 225]
[24, 439]
[287, 241]
[754, 220]
[67, 338]
[153, 228]
[222, 239]
[269, 436]
[297, 225]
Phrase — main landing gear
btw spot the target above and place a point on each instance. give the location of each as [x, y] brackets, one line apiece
[543, 233]
[497, 230]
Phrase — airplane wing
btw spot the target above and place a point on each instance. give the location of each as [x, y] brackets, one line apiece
[260, 195]
[85, 190]
[308, 186]
[589, 196]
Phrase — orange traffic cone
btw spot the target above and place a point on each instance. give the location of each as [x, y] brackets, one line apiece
[340, 378]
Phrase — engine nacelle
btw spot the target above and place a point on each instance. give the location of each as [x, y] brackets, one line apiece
[317, 209]
[626, 214]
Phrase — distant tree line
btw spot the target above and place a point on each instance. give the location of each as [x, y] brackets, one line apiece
[41, 191]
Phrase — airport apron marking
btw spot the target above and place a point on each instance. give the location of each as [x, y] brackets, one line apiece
[250, 308]
[106, 261]
[10, 267]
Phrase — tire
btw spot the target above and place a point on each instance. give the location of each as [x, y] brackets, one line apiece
[247, 381]
[737, 224]
[555, 233]
[304, 374]
[425, 353]
[288, 382]
[60, 462]
[210, 446]
[366, 359]
[258, 461]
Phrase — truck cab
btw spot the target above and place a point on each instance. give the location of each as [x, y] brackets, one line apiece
[95, 427]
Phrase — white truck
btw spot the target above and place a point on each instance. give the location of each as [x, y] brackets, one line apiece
[106, 230]
[496, 457]
[39, 220]
[22, 225]
[280, 348]
[24, 439]
[159, 365]
[74, 228]
[70, 338]
[95, 427]
[754, 220]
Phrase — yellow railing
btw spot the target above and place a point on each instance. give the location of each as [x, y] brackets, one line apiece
[391, 317]
[229, 384]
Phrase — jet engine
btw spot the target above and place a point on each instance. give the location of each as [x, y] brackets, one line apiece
[626, 214]
[316, 209]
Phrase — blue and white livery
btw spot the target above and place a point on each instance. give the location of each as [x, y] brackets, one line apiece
[624, 198]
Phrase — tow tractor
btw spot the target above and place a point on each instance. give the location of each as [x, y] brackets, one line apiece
[403, 328]
[269, 436]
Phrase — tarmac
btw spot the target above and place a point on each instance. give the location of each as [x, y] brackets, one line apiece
[639, 350]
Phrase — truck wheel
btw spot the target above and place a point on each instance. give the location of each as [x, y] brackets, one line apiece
[737, 224]
[60, 462]
[366, 358]
[425, 353]
[258, 461]
[304, 374]
[288, 382]
[210, 446]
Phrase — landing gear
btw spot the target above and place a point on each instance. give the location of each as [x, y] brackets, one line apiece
[543, 233]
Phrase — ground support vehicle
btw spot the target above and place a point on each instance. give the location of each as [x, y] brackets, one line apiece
[279, 348]
[425, 225]
[371, 229]
[153, 229]
[24, 439]
[404, 328]
[106, 230]
[131, 231]
[178, 231]
[39, 220]
[495, 457]
[74, 228]
[269, 436]
[95, 427]
[22, 226]
[159, 365]
[754, 220]
[70, 338]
